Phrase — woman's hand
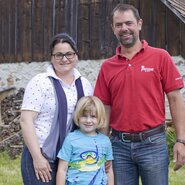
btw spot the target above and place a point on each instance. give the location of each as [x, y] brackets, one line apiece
[42, 169]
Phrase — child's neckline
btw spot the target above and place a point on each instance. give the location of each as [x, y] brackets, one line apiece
[89, 135]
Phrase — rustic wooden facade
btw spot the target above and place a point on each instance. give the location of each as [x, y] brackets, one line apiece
[26, 27]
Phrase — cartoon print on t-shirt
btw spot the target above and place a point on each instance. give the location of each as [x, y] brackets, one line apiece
[89, 161]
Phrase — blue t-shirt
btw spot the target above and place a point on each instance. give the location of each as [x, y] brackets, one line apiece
[86, 156]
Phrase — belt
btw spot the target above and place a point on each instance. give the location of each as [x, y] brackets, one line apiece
[139, 136]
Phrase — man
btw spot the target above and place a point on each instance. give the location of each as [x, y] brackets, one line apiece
[131, 85]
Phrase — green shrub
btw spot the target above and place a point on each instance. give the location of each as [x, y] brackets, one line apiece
[170, 139]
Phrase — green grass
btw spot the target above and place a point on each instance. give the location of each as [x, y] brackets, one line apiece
[10, 172]
[177, 177]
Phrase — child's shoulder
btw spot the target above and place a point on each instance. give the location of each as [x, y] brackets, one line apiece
[103, 136]
[73, 134]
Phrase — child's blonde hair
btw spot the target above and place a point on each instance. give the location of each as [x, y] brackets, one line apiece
[90, 104]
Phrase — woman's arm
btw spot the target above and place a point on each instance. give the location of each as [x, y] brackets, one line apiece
[41, 165]
[61, 172]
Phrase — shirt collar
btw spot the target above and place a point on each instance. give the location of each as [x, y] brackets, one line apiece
[50, 72]
[144, 46]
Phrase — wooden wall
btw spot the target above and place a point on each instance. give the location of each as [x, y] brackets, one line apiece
[26, 27]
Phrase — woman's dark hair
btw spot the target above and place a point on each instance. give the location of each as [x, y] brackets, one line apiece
[62, 38]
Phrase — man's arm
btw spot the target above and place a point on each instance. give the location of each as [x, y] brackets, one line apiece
[177, 109]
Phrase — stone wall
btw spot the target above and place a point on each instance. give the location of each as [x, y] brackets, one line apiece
[23, 72]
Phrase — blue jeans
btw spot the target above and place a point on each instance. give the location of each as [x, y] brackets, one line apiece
[146, 159]
[28, 173]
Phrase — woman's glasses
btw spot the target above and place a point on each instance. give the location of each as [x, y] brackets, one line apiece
[60, 56]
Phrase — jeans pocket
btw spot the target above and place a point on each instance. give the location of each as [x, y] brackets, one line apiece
[114, 139]
[157, 139]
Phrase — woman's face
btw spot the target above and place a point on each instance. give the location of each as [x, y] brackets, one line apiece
[63, 58]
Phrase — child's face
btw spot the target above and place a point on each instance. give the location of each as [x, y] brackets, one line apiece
[88, 122]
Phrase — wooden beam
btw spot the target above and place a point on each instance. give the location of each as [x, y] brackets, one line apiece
[177, 13]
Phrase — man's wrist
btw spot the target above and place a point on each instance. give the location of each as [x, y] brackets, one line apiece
[180, 141]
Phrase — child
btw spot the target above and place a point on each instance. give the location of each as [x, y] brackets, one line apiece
[84, 152]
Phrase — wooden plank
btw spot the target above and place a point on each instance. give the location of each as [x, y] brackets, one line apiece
[6, 43]
[135, 3]
[4, 31]
[160, 25]
[12, 36]
[95, 29]
[19, 26]
[111, 42]
[49, 26]
[83, 29]
[26, 31]
[182, 40]
[74, 19]
[37, 39]
[149, 19]
[37, 42]
[105, 29]
[60, 16]
[1, 31]
[173, 27]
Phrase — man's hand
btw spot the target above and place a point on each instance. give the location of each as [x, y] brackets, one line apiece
[177, 166]
[107, 166]
[178, 155]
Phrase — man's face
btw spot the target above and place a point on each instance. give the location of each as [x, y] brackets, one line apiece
[126, 27]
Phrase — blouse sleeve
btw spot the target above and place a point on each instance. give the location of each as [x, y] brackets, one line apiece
[33, 96]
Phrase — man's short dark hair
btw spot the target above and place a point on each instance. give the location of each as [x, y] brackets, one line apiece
[125, 7]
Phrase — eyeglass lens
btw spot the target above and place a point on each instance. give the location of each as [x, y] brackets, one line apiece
[60, 56]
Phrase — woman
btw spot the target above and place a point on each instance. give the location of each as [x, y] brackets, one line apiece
[47, 109]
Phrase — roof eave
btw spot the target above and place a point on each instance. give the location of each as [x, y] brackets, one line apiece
[174, 10]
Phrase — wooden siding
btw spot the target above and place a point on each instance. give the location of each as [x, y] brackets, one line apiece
[26, 27]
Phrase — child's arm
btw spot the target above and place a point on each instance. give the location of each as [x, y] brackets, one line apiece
[110, 175]
[61, 172]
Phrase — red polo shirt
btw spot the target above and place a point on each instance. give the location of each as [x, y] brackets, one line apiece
[135, 88]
